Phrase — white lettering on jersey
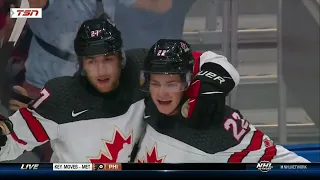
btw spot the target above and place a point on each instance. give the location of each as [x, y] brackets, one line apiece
[238, 132]
[44, 95]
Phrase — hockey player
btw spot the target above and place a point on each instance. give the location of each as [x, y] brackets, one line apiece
[95, 116]
[188, 121]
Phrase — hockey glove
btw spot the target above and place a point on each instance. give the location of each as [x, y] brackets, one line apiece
[5, 128]
[209, 89]
[3, 140]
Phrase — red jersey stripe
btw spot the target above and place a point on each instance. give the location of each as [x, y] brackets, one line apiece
[254, 144]
[269, 154]
[14, 136]
[34, 125]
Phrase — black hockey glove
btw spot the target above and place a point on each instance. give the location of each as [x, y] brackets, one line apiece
[3, 140]
[208, 91]
[5, 128]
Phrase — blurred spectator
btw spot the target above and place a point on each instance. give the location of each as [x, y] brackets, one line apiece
[51, 54]
[6, 24]
[3, 111]
[140, 29]
[3, 19]
[15, 69]
[12, 69]
[18, 57]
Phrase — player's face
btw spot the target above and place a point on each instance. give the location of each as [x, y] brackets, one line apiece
[166, 92]
[103, 71]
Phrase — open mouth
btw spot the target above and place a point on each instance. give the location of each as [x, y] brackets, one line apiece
[103, 80]
[162, 102]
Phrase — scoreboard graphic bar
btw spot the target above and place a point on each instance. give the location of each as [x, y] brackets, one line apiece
[264, 167]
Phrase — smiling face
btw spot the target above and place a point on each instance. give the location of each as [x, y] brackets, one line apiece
[166, 91]
[103, 71]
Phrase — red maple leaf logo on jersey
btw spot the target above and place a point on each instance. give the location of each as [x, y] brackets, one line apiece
[152, 156]
[113, 148]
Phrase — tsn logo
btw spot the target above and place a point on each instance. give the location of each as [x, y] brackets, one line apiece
[264, 166]
[25, 12]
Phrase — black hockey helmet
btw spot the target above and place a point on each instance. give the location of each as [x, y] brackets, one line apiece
[168, 56]
[98, 36]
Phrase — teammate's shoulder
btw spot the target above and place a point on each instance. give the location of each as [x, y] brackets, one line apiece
[57, 84]
[231, 109]
[55, 98]
[234, 127]
[232, 113]
[53, 93]
[60, 85]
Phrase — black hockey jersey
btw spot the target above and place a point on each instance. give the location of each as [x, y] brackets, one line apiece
[80, 123]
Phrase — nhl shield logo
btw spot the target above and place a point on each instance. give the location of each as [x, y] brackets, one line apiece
[264, 166]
